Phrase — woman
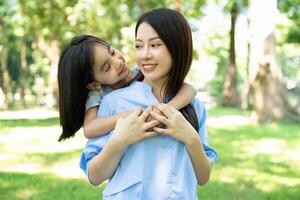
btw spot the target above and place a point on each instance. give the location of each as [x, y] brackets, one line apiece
[141, 160]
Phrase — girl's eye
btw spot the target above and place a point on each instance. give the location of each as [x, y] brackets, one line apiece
[113, 52]
[107, 68]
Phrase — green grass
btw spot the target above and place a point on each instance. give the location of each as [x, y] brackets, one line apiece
[9, 123]
[256, 162]
[217, 111]
[43, 186]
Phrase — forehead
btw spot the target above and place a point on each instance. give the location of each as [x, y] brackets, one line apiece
[100, 52]
[146, 32]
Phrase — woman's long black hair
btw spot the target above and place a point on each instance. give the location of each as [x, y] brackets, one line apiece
[74, 74]
[175, 32]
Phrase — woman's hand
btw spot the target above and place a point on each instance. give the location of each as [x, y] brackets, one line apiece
[157, 111]
[134, 128]
[176, 125]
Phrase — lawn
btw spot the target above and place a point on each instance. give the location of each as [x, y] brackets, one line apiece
[256, 162]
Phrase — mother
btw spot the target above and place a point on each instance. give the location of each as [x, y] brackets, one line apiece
[166, 163]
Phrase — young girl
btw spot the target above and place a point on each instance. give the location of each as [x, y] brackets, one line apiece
[88, 69]
[168, 162]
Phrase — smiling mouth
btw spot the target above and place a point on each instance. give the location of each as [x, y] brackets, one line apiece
[148, 67]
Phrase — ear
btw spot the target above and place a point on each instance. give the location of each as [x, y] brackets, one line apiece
[94, 86]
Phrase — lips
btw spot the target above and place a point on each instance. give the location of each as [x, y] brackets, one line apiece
[148, 67]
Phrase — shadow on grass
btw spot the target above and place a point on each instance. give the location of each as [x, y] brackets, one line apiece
[17, 186]
[246, 190]
[11, 123]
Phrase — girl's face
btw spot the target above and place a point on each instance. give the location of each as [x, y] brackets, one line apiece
[109, 65]
[152, 55]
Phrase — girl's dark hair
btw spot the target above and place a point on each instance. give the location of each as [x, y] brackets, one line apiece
[175, 32]
[74, 74]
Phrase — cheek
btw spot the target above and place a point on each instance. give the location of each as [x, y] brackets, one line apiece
[137, 56]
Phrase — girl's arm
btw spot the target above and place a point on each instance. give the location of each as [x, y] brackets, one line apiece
[94, 126]
[184, 96]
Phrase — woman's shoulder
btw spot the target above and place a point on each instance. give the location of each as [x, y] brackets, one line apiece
[115, 94]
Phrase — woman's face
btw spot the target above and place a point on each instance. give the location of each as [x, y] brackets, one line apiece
[109, 65]
[152, 55]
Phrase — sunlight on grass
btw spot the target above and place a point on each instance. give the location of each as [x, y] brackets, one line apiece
[258, 162]
[36, 150]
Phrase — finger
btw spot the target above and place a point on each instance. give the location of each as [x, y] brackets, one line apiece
[164, 109]
[149, 118]
[172, 109]
[151, 124]
[149, 134]
[136, 112]
[161, 131]
[146, 113]
[160, 118]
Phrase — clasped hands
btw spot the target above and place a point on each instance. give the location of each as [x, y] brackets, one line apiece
[141, 124]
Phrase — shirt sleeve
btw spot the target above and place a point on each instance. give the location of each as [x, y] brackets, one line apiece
[135, 70]
[95, 97]
[210, 152]
[95, 145]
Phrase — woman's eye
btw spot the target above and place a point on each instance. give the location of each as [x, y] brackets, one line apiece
[137, 46]
[155, 45]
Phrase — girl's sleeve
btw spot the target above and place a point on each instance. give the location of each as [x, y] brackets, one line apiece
[210, 152]
[95, 145]
[95, 97]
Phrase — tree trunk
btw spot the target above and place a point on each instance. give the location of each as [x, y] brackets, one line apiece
[5, 78]
[265, 76]
[51, 50]
[23, 74]
[230, 94]
[245, 104]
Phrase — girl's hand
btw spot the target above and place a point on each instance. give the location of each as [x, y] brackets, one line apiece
[94, 86]
[176, 125]
[134, 128]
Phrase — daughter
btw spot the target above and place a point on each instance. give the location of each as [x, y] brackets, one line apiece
[88, 69]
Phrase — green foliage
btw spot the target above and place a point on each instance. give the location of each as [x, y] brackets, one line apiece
[216, 46]
[292, 9]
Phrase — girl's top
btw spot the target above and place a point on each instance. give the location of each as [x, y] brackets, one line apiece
[95, 96]
[155, 168]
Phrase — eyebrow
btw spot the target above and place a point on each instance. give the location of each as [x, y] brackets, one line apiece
[153, 38]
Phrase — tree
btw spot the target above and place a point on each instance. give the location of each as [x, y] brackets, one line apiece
[265, 76]
[230, 93]
[5, 32]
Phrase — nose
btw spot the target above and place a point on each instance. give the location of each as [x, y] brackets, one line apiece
[146, 54]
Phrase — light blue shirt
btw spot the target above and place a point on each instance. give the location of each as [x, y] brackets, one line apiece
[157, 168]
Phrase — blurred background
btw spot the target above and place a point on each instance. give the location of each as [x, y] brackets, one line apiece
[246, 69]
